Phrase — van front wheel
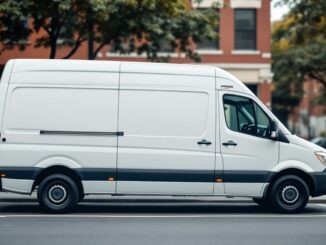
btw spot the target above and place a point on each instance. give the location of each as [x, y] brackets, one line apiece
[289, 194]
[58, 193]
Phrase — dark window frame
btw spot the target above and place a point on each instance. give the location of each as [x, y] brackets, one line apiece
[253, 31]
[254, 112]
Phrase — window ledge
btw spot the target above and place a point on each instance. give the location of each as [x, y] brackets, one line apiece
[246, 4]
[208, 51]
[245, 52]
[20, 42]
[266, 55]
[172, 55]
[207, 3]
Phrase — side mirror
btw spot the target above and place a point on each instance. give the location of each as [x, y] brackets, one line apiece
[274, 130]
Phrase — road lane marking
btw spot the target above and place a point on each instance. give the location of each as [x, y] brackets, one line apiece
[320, 215]
[167, 216]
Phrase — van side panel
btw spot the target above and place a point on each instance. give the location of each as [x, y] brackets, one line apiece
[5, 79]
[163, 118]
[61, 125]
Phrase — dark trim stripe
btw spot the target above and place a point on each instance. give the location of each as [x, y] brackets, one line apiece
[83, 133]
[160, 175]
[246, 176]
[96, 173]
[20, 172]
[165, 175]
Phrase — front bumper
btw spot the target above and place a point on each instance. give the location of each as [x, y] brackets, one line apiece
[319, 179]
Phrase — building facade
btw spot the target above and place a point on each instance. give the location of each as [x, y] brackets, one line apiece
[243, 48]
[308, 120]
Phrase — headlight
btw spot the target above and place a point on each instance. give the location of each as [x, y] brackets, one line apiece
[321, 156]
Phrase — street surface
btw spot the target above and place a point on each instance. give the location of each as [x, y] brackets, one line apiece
[160, 221]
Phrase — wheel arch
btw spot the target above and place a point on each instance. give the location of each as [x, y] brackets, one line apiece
[58, 169]
[306, 177]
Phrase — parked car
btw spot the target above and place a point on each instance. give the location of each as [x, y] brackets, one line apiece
[70, 128]
[321, 141]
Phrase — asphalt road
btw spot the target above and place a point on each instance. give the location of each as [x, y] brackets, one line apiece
[160, 222]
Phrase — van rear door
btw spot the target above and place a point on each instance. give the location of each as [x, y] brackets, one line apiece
[61, 114]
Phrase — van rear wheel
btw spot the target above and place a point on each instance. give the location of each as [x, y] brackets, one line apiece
[58, 193]
[289, 194]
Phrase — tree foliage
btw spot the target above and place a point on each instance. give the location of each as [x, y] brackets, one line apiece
[13, 30]
[299, 51]
[142, 26]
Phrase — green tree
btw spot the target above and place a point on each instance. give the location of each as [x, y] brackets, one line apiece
[55, 18]
[152, 25]
[14, 19]
[142, 26]
[299, 52]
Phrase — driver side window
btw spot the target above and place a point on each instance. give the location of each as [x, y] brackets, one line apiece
[244, 116]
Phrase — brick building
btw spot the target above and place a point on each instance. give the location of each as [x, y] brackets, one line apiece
[243, 48]
[308, 120]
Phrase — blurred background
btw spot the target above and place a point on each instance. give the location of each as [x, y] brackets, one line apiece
[277, 48]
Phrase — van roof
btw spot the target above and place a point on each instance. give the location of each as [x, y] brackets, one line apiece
[26, 65]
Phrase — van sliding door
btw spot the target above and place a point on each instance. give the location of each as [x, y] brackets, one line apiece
[168, 145]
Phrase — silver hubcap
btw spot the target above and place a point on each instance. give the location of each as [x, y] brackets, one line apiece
[290, 194]
[57, 194]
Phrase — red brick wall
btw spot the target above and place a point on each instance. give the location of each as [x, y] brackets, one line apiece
[264, 93]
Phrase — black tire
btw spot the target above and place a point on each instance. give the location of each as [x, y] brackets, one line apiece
[289, 194]
[57, 193]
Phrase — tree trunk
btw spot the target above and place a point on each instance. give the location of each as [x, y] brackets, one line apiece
[90, 34]
[53, 46]
[53, 32]
[78, 42]
[98, 49]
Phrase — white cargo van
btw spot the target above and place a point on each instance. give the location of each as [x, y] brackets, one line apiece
[72, 128]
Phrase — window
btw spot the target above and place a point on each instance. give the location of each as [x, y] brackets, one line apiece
[66, 35]
[245, 116]
[253, 88]
[11, 25]
[166, 47]
[209, 44]
[245, 29]
[120, 46]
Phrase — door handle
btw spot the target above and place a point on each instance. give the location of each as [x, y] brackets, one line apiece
[204, 142]
[230, 142]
